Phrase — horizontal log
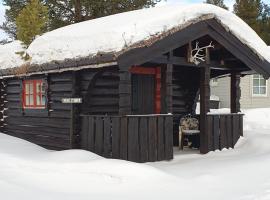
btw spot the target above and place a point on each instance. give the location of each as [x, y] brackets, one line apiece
[49, 130]
[104, 91]
[63, 87]
[60, 114]
[14, 90]
[35, 121]
[38, 131]
[13, 82]
[97, 101]
[60, 106]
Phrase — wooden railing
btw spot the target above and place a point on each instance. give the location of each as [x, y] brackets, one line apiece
[224, 130]
[138, 138]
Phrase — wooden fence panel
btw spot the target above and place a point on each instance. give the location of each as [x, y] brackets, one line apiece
[224, 130]
[160, 139]
[223, 133]
[99, 136]
[216, 132]
[210, 132]
[143, 140]
[134, 138]
[152, 130]
[124, 139]
[115, 137]
[168, 125]
[107, 147]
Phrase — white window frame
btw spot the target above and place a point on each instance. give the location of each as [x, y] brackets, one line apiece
[252, 89]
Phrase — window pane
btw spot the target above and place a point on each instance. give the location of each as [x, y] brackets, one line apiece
[26, 100]
[256, 82]
[31, 88]
[38, 100]
[43, 100]
[38, 87]
[262, 82]
[43, 88]
[31, 100]
[26, 88]
[262, 90]
[256, 90]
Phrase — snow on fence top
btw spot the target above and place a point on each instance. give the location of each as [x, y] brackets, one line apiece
[116, 33]
[9, 55]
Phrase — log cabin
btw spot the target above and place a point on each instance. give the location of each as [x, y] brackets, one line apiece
[118, 85]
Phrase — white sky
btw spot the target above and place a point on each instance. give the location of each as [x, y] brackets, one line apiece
[227, 2]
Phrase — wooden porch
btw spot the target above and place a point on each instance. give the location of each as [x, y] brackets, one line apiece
[149, 138]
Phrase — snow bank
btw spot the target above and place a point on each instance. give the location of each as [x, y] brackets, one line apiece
[29, 172]
[119, 32]
[9, 57]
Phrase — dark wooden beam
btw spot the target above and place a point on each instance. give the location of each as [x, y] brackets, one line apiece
[235, 92]
[124, 92]
[204, 107]
[182, 61]
[169, 90]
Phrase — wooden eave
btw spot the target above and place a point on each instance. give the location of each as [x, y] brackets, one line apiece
[211, 27]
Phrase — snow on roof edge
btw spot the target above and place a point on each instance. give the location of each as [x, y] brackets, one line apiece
[126, 30]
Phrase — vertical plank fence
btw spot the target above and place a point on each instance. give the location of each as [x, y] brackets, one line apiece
[224, 130]
[137, 138]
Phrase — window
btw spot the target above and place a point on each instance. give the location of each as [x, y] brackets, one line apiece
[259, 86]
[214, 82]
[34, 95]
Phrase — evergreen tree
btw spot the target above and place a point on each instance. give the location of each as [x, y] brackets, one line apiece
[219, 3]
[249, 11]
[264, 23]
[31, 21]
[256, 14]
[65, 12]
[9, 26]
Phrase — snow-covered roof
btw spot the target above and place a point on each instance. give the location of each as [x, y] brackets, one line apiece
[117, 33]
[9, 55]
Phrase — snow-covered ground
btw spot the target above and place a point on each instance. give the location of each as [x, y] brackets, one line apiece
[30, 172]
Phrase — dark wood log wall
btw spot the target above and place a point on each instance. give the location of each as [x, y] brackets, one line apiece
[186, 81]
[49, 127]
[102, 95]
[57, 126]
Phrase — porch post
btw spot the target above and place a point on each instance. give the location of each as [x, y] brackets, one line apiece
[125, 92]
[204, 107]
[235, 92]
[169, 89]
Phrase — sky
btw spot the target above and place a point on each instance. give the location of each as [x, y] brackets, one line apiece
[170, 2]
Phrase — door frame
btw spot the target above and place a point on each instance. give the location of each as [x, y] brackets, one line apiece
[156, 71]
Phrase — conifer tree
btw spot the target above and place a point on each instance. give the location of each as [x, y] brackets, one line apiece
[219, 3]
[65, 12]
[31, 21]
[249, 11]
[256, 14]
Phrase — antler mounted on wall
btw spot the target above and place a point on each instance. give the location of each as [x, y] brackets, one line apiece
[197, 55]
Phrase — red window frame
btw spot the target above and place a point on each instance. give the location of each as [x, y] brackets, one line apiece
[35, 94]
[152, 71]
